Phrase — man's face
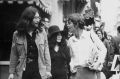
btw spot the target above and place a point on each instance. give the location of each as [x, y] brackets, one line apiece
[47, 24]
[36, 19]
[99, 34]
[97, 24]
[70, 26]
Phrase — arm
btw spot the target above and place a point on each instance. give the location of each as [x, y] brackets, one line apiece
[13, 56]
[101, 47]
[47, 56]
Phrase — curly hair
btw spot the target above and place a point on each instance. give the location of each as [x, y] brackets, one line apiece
[52, 40]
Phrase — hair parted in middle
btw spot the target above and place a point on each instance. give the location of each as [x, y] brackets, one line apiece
[26, 19]
[53, 31]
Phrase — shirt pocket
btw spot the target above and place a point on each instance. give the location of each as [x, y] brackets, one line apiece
[41, 46]
[41, 51]
[20, 47]
[20, 65]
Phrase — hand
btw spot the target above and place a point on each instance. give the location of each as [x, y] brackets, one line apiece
[96, 66]
[48, 74]
[109, 64]
[11, 76]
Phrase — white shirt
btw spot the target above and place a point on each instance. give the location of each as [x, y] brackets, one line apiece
[82, 49]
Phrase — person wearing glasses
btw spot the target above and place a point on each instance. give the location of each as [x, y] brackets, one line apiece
[46, 24]
[30, 58]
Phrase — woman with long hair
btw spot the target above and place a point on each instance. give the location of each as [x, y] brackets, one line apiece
[59, 52]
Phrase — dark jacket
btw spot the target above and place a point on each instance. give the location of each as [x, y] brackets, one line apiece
[60, 61]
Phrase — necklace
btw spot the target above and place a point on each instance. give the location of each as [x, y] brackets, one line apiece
[56, 48]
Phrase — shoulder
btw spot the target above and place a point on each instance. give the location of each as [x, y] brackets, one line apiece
[106, 42]
[15, 35]
[42, 32]
[71, 39]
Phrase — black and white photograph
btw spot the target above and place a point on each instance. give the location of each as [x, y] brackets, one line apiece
[59, 39]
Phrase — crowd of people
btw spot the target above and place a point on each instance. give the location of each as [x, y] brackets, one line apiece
[82, 50]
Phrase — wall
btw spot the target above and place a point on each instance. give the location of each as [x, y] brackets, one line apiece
[57, 13]
[4, 69]
[110, 11]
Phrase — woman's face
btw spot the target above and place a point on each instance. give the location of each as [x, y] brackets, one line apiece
[36, 19]
[59, 37]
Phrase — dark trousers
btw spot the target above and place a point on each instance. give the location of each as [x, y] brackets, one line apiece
[32, 71]
[84, 73]
[31, 75]
[60, 76]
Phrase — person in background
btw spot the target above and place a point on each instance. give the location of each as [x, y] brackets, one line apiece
[116, 44]
[97, 23]
[110, 54]
[100, 34]
[83, 65]
[117, 41]
[102, 27]
[59, 52]
[46, 24]
[30, 58]
[89, 19]
[67, 33]
[89, 26]
[68, 29]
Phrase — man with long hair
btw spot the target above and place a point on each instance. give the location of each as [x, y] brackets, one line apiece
[29, 57]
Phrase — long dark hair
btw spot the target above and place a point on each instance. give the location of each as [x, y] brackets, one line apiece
[63, 48]
[26, 19]
[52, 40]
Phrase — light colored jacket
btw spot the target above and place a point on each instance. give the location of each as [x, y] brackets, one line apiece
[19, 52]
[100, 45]
[83, 49]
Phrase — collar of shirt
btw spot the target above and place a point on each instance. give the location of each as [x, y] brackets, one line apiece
[84, 35]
